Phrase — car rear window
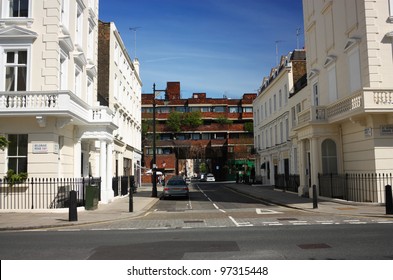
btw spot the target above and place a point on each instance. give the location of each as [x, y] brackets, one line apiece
[176, 182]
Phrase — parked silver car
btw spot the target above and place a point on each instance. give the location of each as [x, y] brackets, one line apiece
[176, 186]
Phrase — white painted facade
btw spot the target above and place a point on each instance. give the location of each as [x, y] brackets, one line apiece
[342, 122]
[273, 121]
[124, 86]
[48, 93]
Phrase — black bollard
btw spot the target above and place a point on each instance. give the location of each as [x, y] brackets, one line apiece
[388, 199]
[130, 196]
[73, 212]
[314, 197]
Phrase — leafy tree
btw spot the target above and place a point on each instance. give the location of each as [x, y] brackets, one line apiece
[223, 120]
[174, 121]
[249, 126]
[192, 120]
[203, 167]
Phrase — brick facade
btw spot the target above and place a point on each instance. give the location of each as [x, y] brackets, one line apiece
[220, 145]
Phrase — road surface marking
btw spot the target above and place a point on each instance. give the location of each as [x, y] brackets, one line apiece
[262, 211]
[245, 224]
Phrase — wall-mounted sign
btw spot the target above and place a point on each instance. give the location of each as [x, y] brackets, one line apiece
[40, 148]
[368, 132]
[387, 129]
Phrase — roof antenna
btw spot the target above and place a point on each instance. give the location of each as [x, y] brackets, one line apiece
[298, 32]
[278, 41]
[135, 29]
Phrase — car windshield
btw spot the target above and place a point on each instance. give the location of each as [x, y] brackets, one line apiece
[176, 182]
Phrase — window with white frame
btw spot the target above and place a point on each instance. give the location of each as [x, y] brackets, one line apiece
[332, 83]
[390, 10]
[281, 133]
[275, 102]
[78, 81]
[315, 94]
[17, 152]
[90, 91]
[65, 16]
[15, 69]
[63, 71]
[16, 8]
[90, 44]
[354, 69]
[79, 25]
[286, 130]
[285, 94]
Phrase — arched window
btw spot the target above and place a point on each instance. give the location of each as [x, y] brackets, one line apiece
[329, 157]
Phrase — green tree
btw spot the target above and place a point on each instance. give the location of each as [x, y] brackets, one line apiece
[174, 121]
[249, 126]
[223, 120]
[192, 120]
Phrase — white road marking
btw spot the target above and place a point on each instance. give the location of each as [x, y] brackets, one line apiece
[262, 211]
[245, 224]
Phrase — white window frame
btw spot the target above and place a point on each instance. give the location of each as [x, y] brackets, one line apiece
[5, 8]
[78, 81]
[3, 51]
[315, 94]
[355, 78]
[65, 13]
[79, 24]
[332, 83]
[64, 59]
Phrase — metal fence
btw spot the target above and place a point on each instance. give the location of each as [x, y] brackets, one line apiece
[120, 185]
[355, 187]
[287, 182]
[44, 193]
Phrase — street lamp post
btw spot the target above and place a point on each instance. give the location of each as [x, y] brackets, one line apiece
[154, 163]
[154, 173]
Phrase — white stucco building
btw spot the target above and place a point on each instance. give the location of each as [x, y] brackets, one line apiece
[273, 118]
[120, 88]
[49, 106]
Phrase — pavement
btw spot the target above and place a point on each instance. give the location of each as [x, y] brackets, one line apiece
[142, 201]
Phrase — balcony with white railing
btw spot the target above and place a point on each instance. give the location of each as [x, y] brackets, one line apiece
[361, 102]
[56, 103]
[312, 115]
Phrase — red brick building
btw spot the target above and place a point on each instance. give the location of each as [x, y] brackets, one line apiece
[213, 135]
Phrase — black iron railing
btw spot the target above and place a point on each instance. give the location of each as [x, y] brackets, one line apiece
[44, 193]
[287, 182]
[368, 187]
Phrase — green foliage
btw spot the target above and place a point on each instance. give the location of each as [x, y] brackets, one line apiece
[203, 167]
[3, 143]
[192, 120]
[223, 120]
[177, 121]
[249, 126]
[12, 178]
[174, 121]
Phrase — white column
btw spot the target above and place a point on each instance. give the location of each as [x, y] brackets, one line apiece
[109, 172]
[314, 149]
[77, 158]
[103, 170]
[302, 166]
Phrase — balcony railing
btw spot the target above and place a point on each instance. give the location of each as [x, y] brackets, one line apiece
[57, 103]
[366, 101]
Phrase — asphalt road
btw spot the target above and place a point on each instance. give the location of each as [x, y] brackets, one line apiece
[343, 242]
[214, 223]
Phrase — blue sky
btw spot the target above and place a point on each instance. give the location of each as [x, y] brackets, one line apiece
[221, 47]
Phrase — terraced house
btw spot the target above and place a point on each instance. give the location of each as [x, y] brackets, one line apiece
[341, 123]
[199, 134]
[56, 122]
